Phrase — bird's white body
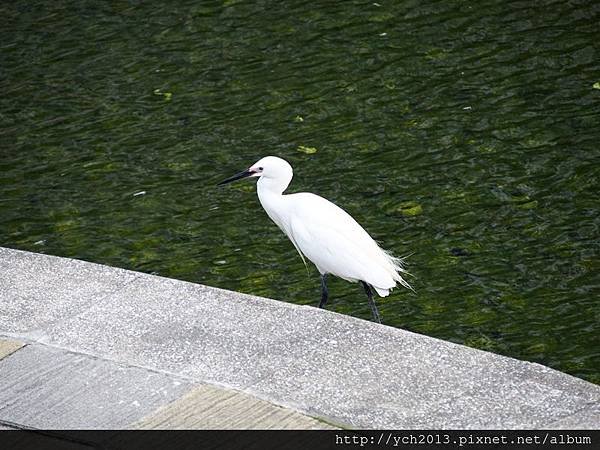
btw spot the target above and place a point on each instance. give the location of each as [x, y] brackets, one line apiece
[323, 232]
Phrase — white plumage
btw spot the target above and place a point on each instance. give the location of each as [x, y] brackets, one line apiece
[323, 232]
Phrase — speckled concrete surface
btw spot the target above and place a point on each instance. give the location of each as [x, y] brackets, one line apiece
[325, 365]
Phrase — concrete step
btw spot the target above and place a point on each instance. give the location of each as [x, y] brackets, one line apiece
[49, 388]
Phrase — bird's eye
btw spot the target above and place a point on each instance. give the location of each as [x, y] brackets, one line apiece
[260, 168]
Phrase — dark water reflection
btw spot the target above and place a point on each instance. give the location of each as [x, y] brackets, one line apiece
[465, 133]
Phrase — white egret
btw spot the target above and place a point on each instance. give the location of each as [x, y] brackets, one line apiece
[324, 233]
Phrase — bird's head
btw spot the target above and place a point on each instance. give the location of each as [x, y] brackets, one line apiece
[269, 168]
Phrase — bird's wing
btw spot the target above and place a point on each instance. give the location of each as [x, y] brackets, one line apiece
[314, 209]
[336, 243]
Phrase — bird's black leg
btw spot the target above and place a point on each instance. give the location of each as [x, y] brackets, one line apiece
[369, 293]
[324, 293]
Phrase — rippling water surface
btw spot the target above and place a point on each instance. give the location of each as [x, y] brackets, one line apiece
[466, 133]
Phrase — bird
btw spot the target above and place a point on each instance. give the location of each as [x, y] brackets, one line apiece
[324, 233]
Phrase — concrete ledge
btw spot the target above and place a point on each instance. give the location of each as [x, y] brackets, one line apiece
[315, 363]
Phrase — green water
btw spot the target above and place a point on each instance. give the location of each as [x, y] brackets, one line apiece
[466, 133]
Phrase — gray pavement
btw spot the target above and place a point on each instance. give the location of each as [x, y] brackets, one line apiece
[263, 363]
[45, 387]
[59, 389]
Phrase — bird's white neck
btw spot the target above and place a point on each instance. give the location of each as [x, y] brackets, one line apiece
[273, 185]
[270, 195]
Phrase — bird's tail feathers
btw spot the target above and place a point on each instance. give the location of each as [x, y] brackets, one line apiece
[397, 269]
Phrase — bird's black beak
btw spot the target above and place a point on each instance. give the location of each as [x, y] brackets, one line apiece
[237, 176]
